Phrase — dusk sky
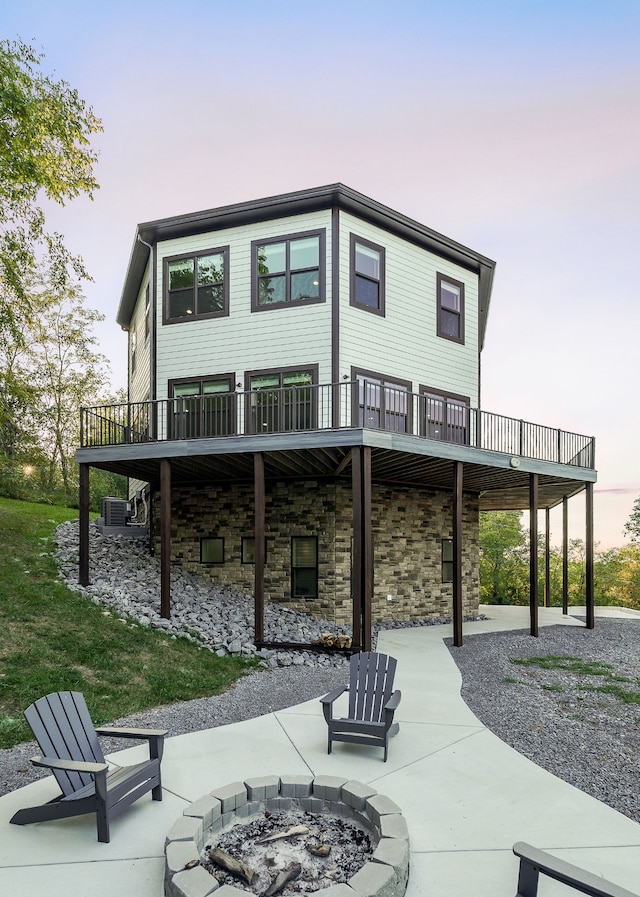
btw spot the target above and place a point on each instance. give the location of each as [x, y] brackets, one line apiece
[511, 126]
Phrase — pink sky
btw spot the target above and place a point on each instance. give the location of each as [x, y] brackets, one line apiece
[513, 128]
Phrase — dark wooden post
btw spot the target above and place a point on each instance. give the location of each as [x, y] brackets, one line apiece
[357, 559]
[165, 538]
[367, 550]
[547, 558]
[533, 552]
[590, 597]
[83, 523]
[259, 536]
[457, 553]
[565, 555]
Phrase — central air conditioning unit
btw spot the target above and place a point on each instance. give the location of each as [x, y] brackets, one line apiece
[115, 511]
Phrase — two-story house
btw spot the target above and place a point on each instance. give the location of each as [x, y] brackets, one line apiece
[304, 410]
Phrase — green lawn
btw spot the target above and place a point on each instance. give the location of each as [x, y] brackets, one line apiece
[52, 639]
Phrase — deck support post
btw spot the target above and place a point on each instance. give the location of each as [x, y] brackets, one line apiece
[565, 555]
[165, 538]
[533, 552]
[362, 574]
[589, 572]
[259, 536]
[547, 558]
[83, 523]
[457, 553]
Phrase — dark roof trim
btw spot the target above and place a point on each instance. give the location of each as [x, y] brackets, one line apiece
[298, 203]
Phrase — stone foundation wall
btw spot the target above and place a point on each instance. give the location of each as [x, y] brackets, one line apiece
[408, 527]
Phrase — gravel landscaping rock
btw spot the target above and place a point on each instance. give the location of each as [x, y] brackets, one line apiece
[560, 717]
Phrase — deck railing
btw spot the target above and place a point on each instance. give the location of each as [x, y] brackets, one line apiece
[358, 403]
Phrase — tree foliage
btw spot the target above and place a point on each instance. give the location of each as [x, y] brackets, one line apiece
[632, 526]
[45, 153]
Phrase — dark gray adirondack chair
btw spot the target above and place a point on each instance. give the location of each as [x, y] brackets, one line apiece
[534, 862]
[69, 742]
[372, 703]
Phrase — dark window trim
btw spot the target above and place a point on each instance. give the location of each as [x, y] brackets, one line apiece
[315, 569]
[243, 541]
[386, 381]
[446, 397]
[286, 238]
[207, 378]
[216, 539]
[224, 250]
[445, 578]
[444, 278]
[381, 310]
[313, 369]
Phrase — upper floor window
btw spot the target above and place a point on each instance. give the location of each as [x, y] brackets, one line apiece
[196, 286]
[444, 417]
[288, 270]
[147, 313]
[367, 275]
[450, 308]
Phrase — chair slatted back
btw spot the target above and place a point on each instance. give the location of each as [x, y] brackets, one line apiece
[371, 678]
[63, 729]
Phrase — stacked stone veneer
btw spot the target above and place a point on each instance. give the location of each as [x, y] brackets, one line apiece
[385, 875]
[408, 527]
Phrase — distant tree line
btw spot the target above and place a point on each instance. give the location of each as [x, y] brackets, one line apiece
[504, 565]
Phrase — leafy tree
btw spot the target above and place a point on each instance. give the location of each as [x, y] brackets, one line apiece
[44, 153]
[504, 562]
[632, 526]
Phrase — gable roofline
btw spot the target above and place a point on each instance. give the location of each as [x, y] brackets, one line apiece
[298, 203]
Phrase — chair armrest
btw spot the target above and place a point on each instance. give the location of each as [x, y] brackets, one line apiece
[534, 861]
[333, 695]
[69, 765]
[394, 700]
[131, 733]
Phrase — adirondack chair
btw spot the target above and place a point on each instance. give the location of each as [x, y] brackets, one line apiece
[70, 748]
[534, 862]
[372, 703]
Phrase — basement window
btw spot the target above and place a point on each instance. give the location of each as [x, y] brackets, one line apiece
[447, 560]
[304, 567]
[212, 550]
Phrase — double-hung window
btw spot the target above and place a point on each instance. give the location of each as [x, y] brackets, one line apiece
[203, 407]
[450, 308]
[382, 403]
[447, 560]
[196, 286]
[288, 270]
[304, 567]
[444, 416]
[281, 401]
[367, 275]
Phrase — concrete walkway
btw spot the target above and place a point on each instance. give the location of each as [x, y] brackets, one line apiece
[467, 796]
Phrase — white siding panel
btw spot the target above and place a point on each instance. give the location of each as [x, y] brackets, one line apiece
[404, 343]
[139, 381]
[245, 340]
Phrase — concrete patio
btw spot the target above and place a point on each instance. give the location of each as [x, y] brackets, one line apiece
[466, 796]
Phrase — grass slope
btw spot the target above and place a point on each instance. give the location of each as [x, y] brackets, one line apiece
[52, 639]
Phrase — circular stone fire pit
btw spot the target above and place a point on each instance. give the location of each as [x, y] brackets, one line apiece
[384, 875]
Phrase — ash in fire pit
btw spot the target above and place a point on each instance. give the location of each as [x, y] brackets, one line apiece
[355, 837]
[299, 851]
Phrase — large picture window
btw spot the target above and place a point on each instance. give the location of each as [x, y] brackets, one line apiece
[203, 407]
[444, 416]
[382, 403]
[288, 270]
[367, 275]
[282, 401]
[450, 308]
[304, 567]
[196, 286]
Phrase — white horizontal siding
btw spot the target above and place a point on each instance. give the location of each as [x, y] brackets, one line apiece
[140, 380]
[404, 343]
[245, 340]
